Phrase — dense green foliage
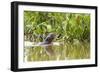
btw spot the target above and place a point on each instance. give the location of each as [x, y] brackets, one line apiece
[67, 26]
[71, 28]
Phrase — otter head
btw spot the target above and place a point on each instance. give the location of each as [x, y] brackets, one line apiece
[49, 38]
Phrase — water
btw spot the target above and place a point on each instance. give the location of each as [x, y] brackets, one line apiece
[66, 51]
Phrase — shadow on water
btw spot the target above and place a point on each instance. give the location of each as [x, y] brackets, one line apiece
[66, 51]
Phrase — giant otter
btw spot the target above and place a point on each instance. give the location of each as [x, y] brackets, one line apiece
[48, 42]
[48, 39]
